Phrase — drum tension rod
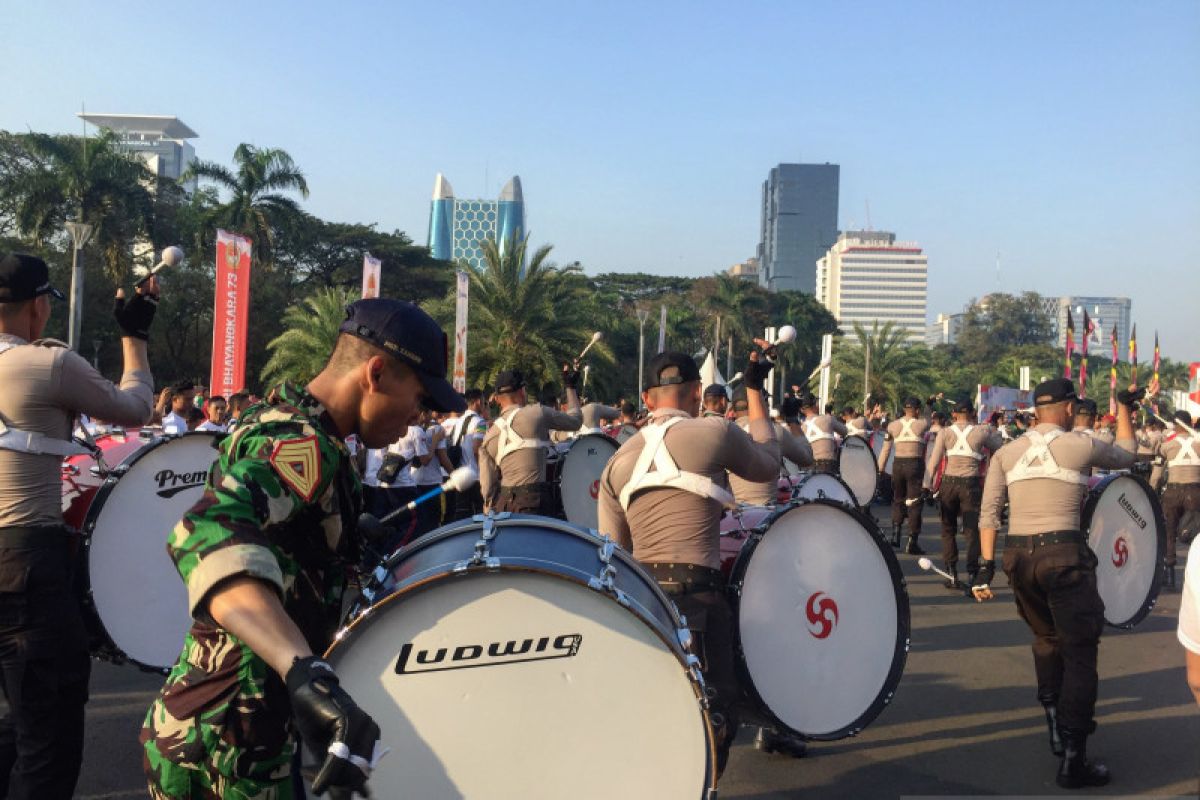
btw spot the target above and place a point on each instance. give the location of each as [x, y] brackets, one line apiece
[603, 582]
[483, 546]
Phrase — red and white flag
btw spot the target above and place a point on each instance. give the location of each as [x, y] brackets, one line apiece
[231, 313]
[372, 275]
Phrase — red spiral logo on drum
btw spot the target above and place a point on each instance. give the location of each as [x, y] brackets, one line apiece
[822, 615]
[594, 491]
[1120, 552]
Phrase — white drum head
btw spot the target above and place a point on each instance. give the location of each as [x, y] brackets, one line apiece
[139, 597]
[823, 486]
[579, 479]
[823, 620]
[556, 717]
[1126, 531]
[857, 465]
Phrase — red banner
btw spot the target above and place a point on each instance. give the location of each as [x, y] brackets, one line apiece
[231, 311]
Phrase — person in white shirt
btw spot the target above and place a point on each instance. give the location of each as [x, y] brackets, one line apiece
[175, 420]
[390, 472]
[214, 413]
[428, 473]
[1189, 620]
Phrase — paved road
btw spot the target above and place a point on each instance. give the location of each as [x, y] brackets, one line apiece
[965, 720]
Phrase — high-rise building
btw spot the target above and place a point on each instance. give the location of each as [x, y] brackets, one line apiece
[944, 330]
[869, 277]
[458, 228]
[160, 141]
[799, 223]
[746, 270]
[1104, 311]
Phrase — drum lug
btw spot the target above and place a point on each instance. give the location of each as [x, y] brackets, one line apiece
[483, 546]
[684, 636]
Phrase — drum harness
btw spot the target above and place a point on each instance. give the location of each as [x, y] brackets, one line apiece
[906, 431]
[511, 442]
[813, 432]
[39, 444]
[1036, 463]
[667, 473]
[1186, 457]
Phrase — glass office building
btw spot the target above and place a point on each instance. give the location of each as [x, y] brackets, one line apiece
[799, 224]
[458, 227]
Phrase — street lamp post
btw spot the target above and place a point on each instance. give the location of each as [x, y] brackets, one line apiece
[642, 315]
[80, 232]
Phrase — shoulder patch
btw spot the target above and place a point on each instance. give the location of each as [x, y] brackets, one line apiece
[298, 462]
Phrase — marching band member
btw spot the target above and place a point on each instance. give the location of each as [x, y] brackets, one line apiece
[716, 401]
[512, 459]
[963, 444]
[592, 414]
[1181, 454]
[907, 435]
[793, 448]
[1050, 568]
[44, 659]
[856, 424]
[820, 430]
[627, 426]
[662, 496]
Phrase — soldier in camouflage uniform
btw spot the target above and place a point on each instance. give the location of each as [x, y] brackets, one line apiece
[264, 554]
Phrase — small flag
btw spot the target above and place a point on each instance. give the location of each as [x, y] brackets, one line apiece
[1070, 344]
[1112, 378]
[1133, 353]
[1088, 328]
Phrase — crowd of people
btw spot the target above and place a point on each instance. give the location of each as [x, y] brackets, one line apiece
[265, 554]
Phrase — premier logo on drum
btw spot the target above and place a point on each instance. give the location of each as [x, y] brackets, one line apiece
[491, 655]
[1131, 511]
[171, 483]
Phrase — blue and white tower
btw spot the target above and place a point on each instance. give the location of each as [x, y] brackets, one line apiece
[441, 219]
[512, 214]
[458, 228]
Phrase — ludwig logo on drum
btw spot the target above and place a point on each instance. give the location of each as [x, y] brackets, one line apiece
[171, 483]
[465, 656]
[1120, 552]
[1131, 511]
[822, 615]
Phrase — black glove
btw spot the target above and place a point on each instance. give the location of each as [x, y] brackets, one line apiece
[334, 728]
[134, 316]
[986, 574]
[1130, 399]
[755, 375]
[570, 377]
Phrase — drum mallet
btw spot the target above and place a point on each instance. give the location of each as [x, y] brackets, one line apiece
[817, 371]
[171, 256]
[927, 565]
[460, 480]
[597, 336]
[1169, 422]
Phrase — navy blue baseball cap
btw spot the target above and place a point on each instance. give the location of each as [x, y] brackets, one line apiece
[24, 277]
[413, 338]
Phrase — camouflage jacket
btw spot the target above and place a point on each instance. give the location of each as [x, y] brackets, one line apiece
[279, 505]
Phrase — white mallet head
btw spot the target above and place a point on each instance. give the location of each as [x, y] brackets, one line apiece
[786, 334]
[172, 256]
[462, 479]
[597, 336]
[924, 563]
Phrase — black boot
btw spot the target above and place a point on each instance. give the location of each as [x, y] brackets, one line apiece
[770, 741]
[896, 535]
[912, 548]
[1076, 771]
[1051, 707]
[1169, 576]
[953, 583]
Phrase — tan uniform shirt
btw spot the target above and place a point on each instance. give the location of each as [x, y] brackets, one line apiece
[1040, 505]
[673, 525]
[594, 412]
[765, 493]
[526, 466]
[904, 449]
[42, 389]
[1180, 473]
[981, 437]
[859, 426]
[823, 448]
[626, 432]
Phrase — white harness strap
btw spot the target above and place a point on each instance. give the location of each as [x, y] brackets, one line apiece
[906, 431]
[1038, 462]
[854, 430]
[511, 441]
[961, 445]
[37, 444]
[813, 432]
[1186, 457]
[666, 473]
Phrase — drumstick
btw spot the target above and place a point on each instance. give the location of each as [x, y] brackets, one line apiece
[817, 371]
[1168, 422]
[597, 336]
[925, 564]
[460, 480]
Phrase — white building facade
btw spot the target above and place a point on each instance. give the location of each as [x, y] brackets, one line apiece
[868, 277]
[1104, 312]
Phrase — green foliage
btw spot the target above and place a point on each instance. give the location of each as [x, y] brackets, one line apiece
[1000, 322]
[897, 369]
[311, 329]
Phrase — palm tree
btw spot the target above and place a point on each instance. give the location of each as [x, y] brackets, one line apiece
[311, 329]
[897, 368]
[734, 302]
[533, 319]
[257, 205]
[47, 181]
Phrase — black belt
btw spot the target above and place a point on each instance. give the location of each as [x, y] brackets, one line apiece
[50, 536]
[527, 488]
[680, 579]
[968, 479]
[908, 458]
[1034, 540]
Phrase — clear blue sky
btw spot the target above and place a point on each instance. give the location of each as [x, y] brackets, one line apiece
[1064, 135]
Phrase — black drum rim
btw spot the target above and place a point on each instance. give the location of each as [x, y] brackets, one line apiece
[1160, 542]
[891, 683]
[824, 475]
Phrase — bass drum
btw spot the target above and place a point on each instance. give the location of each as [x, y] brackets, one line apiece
[511, 656]
[823, 486]
[736, 526]
[82, 475]
[136, 606]
[822, 620]
[1126, 530]
[579, 473]
[856, 463]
